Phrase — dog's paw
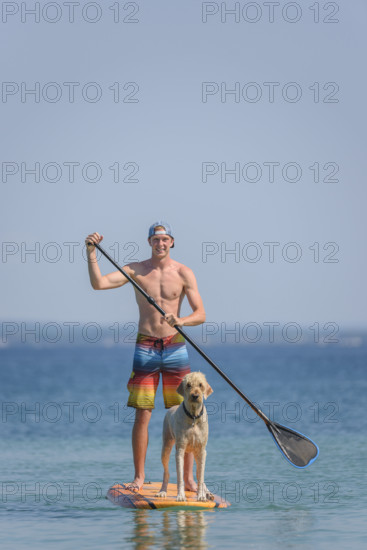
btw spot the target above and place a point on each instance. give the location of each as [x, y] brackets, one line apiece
[161, 494]
[202, 497]
[209, 495]
[181, 497]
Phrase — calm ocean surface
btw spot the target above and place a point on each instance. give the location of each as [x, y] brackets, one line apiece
[65, 438]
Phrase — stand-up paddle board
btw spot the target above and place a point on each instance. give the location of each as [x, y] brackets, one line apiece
[122, 496]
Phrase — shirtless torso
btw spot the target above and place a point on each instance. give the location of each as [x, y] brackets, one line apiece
[166, 280]
[168, 287]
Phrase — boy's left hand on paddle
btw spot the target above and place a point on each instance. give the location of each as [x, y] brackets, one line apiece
[172, 320]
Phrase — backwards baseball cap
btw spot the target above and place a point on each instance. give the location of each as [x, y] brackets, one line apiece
[163, 228]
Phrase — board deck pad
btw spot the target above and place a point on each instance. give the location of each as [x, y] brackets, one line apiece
[122, 496]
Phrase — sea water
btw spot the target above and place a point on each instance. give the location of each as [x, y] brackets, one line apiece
[66, 438]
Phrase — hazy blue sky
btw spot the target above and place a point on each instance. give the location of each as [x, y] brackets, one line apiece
[161, 129]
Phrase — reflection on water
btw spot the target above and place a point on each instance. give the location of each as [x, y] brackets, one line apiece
[183, 528]
[168, 529]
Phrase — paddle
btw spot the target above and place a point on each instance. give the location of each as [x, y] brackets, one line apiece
[296, 448]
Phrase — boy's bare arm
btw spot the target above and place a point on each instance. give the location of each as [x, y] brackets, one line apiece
[197, 317]
[97, 280]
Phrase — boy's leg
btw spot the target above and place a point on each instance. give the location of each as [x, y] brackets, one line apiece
[142, 388]
[140, 445]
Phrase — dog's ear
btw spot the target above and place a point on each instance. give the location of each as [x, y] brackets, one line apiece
[181, 388]
[208, 390]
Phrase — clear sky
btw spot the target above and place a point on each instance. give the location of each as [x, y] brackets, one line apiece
[173, 96]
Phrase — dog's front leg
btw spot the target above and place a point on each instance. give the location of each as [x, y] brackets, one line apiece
[200, 466]
[180, 453]
[166, 451]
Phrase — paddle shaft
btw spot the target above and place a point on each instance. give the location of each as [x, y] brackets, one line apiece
[186, 336]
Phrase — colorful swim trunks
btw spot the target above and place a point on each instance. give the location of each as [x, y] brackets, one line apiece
[152, 356]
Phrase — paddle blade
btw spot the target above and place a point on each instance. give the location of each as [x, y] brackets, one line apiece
[296, 447]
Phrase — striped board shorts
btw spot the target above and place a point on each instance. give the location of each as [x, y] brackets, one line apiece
[152, 356]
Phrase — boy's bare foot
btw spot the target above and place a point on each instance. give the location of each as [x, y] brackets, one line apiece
[134, 486]
[191, 486]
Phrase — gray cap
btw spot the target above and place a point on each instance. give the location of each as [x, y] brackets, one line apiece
[166, 231]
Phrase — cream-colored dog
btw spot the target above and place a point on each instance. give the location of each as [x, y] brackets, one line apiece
[187, 425]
